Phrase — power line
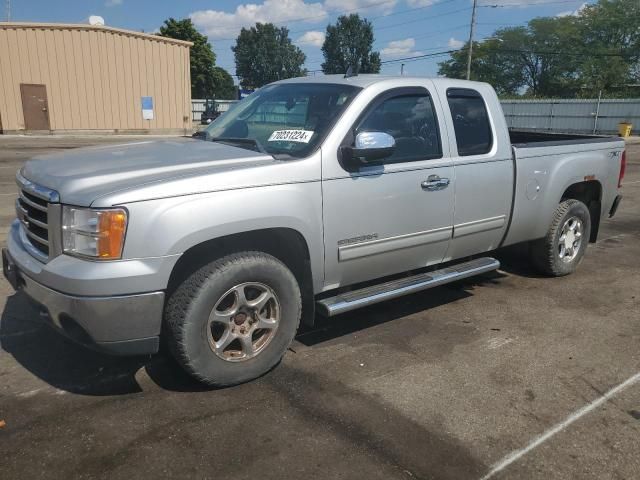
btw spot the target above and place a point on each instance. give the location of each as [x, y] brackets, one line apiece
[306, 19]
[430, 34]
[534, 52]
[531, 52]
[531, 4]
[390, 14]
[424, 18]
[568, 53]
[418, 37]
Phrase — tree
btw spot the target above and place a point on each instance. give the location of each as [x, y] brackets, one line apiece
[349, 43]
[264, 54]
[551, 55]
[203, 59]
[224, 88]
[595, 49]
[504, 72]
[610, 30]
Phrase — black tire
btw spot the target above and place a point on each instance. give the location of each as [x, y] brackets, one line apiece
[545, 251]
[188, 309]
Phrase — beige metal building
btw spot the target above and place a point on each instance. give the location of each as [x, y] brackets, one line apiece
[98, 79]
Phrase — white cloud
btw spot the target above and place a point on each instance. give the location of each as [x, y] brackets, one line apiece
[400, 48]
[420, 3]
[113, 3]
[348, 6]
[220, 24]
[572, 13]
[313, 38]
[453, 43]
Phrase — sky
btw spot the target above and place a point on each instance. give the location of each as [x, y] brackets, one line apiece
[402, 28]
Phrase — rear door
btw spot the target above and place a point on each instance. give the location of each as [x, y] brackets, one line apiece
[483, 165]
[389, 217]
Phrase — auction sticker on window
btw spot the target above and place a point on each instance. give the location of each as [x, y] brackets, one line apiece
[300, 136]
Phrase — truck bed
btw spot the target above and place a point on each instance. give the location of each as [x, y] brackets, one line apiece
[526, 138]
[547, 164]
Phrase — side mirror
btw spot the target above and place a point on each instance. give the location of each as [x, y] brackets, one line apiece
[369, 147]
[200, 135]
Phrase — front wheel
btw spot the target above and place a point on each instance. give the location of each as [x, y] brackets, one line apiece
[232, 320]
[561, 250]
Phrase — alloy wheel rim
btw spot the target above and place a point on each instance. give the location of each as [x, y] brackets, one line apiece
[570, 239]
[243, 321]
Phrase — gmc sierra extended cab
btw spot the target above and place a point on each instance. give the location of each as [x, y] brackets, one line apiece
[311, 195]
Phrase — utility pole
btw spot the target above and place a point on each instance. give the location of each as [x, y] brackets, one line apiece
[402, 69]
[471, 31]
[7, 10]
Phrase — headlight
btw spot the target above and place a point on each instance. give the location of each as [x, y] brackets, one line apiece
[91, 233]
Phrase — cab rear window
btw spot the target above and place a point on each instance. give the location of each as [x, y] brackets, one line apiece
[470, 121]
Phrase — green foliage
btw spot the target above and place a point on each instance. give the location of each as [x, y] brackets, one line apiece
[485, 64]
[224, 87]
[611, 26]
[349, 43]
[264, 54]
[203, 59]
[598, 49]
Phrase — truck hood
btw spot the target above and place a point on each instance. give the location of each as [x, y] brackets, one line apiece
[81, 176]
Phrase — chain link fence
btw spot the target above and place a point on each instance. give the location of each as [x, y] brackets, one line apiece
[197, 107]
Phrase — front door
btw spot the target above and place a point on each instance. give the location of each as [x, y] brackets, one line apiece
[35, 107]
[395, 215]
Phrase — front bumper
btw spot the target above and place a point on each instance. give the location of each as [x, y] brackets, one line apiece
[123, 324]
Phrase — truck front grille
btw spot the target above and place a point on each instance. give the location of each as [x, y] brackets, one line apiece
[33, 214]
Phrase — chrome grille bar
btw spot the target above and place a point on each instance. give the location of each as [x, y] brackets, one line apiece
[31, 203]
[33, 207]
[38, 239]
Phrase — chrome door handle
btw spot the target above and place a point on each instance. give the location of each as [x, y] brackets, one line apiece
[434, 182]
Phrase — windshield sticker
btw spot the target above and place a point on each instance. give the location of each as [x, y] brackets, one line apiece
[300, 136]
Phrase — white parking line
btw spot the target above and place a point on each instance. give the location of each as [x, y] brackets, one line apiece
[517, 454]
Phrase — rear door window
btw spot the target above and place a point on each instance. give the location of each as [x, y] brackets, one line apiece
[470, 121]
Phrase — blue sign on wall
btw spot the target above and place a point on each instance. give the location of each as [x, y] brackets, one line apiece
[147, 108]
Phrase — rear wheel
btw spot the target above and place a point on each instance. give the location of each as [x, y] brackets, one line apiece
[232, 320]
[561, 250]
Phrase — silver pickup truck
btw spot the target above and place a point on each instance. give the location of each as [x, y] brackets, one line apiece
[320, 194]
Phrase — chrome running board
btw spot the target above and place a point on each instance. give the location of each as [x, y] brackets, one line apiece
[354, 299]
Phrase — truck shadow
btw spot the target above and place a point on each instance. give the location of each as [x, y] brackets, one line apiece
[56, 360]
[326, 329]
[514, 259]
[73, 368]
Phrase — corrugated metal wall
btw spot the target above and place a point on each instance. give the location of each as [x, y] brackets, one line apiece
[560, 115]
[583, 116]
[95, 77]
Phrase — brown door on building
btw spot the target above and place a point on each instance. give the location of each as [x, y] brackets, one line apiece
[34, 106]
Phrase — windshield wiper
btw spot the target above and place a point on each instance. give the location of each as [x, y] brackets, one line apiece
[241, 142]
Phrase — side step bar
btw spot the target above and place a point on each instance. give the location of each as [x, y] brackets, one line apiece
[354, 299]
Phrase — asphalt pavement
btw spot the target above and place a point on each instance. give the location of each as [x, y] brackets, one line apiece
[508, 375]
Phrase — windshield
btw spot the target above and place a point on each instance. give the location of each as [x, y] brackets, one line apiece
[283, 120]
